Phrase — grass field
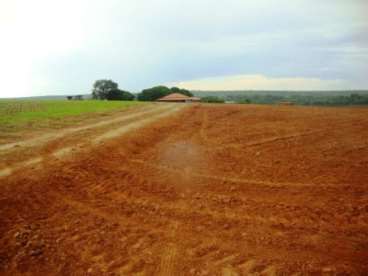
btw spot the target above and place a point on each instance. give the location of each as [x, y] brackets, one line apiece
[16, 113]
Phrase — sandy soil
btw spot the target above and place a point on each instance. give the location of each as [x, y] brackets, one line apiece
[209, 190]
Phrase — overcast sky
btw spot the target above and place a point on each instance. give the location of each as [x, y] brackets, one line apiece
[62, 47]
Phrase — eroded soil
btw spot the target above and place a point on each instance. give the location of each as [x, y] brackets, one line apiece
[210, 190]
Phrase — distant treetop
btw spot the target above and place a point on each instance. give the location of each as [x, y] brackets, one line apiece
[108, 90]
[154, 93]
[101, 88]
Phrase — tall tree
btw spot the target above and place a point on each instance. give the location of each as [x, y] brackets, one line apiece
[101, 88]
[154, 93]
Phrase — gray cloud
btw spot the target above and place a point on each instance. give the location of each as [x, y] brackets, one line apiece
[143, 43]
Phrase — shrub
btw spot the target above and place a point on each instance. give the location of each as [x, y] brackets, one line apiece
[212, 99]
[119, 95]
[244, 101]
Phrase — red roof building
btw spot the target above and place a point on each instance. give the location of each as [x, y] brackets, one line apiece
[178, 98]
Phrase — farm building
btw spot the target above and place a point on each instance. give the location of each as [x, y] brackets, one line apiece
[178, 98]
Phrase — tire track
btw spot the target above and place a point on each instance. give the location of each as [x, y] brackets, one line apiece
[65, 151]
[62, 133]
[270, 140]
[204, 125]
[169, 256]
[229, 179]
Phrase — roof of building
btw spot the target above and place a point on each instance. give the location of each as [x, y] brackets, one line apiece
[177, 97]
[174, 97]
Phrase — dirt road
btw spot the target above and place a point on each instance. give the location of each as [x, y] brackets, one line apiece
[209, 190]
[30, 152]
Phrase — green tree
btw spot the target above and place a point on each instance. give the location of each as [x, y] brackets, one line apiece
[101, 88]
[154, 93]
[244, 101]
[181, 91]
[212, 99]
[119, 95]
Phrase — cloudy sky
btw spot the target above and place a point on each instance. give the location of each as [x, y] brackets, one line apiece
[62, 47]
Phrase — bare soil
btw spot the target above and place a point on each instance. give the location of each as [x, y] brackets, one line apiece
[209, 190]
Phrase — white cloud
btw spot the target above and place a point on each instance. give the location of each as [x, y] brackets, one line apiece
[260, 82]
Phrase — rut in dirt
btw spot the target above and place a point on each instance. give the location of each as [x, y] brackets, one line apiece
[54, 145]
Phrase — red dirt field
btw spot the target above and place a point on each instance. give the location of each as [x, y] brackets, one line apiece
[210, 190]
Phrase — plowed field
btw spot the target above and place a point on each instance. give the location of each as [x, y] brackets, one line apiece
[207, 190]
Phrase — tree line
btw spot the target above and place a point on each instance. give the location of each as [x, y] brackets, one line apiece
[322, 98]
[109, 90]
[352, 99]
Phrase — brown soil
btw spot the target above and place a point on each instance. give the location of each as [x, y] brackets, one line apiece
[211, 190]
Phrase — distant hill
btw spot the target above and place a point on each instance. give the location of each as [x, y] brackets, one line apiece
[283, 93]
[332, 98]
